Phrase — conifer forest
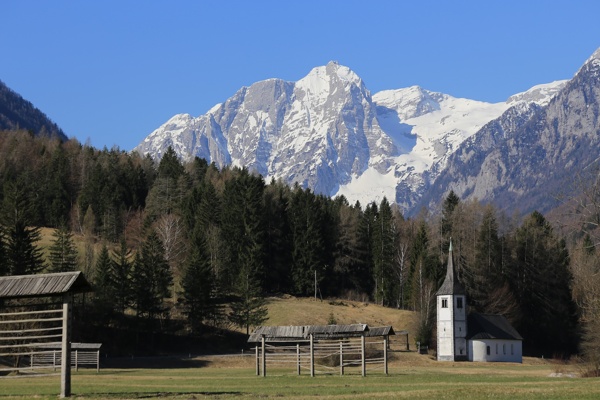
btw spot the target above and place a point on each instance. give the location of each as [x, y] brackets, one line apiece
[188, 249]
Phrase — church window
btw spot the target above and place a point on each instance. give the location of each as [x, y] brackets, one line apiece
[488, 350]
[504, 349]
[444, 303]
[512, 349]
[459, 302]
[496, 348]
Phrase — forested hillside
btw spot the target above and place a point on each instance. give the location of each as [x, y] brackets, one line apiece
[189, 249]
[18, 113]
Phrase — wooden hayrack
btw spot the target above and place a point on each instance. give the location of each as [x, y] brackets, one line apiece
[306, 347]
[23, 332]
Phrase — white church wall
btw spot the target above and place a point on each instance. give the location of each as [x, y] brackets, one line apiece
[495, 350]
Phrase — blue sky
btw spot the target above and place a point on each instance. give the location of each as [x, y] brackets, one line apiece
[113, 71]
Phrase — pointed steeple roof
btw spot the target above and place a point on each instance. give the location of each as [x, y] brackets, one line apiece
[451, 284]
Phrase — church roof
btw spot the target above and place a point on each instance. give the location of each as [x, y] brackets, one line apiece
[451, 284]
[490, 326]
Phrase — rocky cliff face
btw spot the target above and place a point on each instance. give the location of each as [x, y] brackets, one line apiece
[529, 157]
[327, 133]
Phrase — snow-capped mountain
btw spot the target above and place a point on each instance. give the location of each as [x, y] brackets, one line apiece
[328, 133]
[530, 156]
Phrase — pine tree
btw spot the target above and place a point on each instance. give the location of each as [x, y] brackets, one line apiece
[120, 278]
[104, 285]
[540, 279]
[151, 278]
[198, 295]
[63, 254]
[249, 309]
[22, 254]
[307, 241]
[383, 246]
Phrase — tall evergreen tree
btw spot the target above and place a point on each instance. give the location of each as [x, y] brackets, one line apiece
[151, 278]
[63, 254]
[120, 278]
[104, 285]
[22, 254]
[249, 308]
[383, 251]
[307, 241]
[540, 279]
[198, 295]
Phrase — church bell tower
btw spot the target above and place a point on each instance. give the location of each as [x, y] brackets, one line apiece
[451, 316]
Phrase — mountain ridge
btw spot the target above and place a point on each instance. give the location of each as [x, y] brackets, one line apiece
[328, 133]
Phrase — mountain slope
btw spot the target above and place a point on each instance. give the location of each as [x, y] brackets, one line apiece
[530, 155]
[326, 132]
[18, 113]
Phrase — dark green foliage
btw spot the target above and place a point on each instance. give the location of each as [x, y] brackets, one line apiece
[308, 260]
[151, 279]
[22, 254]
[104, 285]
[199, 291]
[242, 227]
[383, 251]
[63, 254]
[540, 279]
[249, 308]
[120, 278]
[278, 241]
[18, 113]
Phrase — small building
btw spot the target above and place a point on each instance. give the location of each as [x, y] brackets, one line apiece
[463, 336]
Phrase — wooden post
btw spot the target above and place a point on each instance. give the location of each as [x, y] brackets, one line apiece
[312, 356]
[264, 357]
[341, 357]
[298, 357]
[362, 354]
[407, 345]
[385, 354]
[98, 361]
[256, 351]
[76, 360]
[65, 359]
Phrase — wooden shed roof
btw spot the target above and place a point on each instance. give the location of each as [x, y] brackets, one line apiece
[302, 333]
[41, 285]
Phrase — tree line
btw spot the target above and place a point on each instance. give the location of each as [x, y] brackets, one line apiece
[170, 240]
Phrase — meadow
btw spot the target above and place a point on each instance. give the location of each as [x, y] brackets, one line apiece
[411, 376]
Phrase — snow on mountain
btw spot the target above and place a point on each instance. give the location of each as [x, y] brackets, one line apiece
[427, 127]
[326, 132]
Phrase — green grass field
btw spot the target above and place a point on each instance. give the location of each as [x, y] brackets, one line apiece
[411, 376]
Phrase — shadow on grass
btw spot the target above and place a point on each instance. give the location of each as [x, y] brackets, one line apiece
[140, 395]
[152, 362]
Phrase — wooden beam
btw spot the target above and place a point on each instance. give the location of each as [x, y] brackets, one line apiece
[312, 356]
[362, 355]
[65, 360]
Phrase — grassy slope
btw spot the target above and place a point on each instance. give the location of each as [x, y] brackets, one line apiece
[288, 310]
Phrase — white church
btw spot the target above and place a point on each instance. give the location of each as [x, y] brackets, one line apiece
[463, 336]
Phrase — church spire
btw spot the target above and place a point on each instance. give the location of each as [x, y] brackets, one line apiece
[451, 284]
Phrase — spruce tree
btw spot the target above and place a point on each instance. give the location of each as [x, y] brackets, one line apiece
[63, 254]
[151, 278]
[104, 285]
[540, 279]
[249, 309]
[22, 254]
[120, 278]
